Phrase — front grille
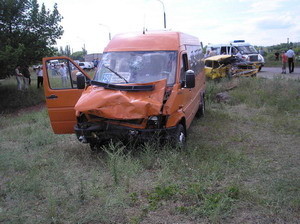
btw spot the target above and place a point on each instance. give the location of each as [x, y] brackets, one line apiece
[129, 121]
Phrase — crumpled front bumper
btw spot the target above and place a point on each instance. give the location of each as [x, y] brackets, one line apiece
[97, 132]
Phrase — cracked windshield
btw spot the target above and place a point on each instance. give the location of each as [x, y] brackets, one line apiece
[247, 49]
[137, 67]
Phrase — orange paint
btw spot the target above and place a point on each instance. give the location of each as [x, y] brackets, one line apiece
[118, 104]
[104, 108]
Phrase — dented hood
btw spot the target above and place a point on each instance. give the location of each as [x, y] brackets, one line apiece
[117, 104]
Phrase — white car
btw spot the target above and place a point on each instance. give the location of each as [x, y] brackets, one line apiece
[86, 65]
[249, 53]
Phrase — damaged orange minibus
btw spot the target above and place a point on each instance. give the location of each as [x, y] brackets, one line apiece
[145, 84]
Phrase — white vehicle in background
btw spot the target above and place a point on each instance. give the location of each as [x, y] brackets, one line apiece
[86, 65]
[249, 53]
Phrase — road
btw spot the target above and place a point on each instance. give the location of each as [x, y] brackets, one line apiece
[271, 72]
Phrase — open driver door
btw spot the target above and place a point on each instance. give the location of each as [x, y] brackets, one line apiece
[61, 92]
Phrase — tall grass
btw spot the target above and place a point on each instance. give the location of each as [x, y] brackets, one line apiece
[12, 100]
[283, 96]
[240, 165]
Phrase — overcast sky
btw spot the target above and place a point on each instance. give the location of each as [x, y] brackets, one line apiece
[260, 22]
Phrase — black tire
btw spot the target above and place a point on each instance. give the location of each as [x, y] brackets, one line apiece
[201, 110]
[178, 138]
[259, 68]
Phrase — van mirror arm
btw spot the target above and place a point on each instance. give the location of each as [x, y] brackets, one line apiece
[182, 83]
[88, 82]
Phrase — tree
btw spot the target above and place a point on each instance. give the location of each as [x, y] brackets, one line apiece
[78, 55]
[64, 52]
[27, 33]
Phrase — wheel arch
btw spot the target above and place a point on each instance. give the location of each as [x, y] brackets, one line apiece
[183, 123]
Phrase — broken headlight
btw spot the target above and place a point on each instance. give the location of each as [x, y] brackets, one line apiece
[153, 122]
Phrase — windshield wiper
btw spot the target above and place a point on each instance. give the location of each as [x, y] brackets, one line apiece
[117, 74]
[124, 88]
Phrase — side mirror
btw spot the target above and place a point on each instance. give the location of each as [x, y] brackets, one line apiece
[80, 78]
[189, 79]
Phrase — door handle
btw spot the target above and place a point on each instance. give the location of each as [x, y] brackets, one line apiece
[52, 96]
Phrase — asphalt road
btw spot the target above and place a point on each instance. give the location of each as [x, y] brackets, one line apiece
[271, 72]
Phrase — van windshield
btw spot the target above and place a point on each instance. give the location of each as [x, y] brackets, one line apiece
[247, 49]
[137, 67]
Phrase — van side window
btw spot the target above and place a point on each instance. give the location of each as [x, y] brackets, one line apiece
[62, 74]
[195, 58]
[184, 67]
[234, 50]
[223, 50]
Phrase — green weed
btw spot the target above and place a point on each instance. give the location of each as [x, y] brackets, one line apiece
[122, 166]
[240, 165]
[161, 193]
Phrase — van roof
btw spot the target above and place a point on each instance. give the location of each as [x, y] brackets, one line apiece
[229, 44]
[150, 41]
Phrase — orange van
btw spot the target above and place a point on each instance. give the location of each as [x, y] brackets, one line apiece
[145, 84]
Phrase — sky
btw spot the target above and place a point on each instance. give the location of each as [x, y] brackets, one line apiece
[259, 22]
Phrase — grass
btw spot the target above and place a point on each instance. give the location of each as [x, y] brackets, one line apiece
[241, 165]
[12, 100]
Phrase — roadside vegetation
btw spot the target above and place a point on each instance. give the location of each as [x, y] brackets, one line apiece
[12, 100]
[241, 165]
[269, 53]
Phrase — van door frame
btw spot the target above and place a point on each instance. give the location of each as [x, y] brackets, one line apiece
[60, 102]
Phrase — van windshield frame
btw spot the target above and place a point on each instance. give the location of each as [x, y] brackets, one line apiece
[137, 67]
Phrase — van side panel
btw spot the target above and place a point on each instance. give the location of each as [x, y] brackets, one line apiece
[195, 59]
[185, 102]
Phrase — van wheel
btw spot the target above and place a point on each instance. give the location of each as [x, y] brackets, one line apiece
[201, 110]
[178, 139]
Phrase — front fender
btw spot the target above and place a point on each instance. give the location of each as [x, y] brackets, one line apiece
[175, 118]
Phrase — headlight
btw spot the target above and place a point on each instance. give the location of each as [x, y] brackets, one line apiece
[153, 118]
[153, 122]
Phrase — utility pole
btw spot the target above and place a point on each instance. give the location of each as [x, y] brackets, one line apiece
[165, 22]
[107, 27]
